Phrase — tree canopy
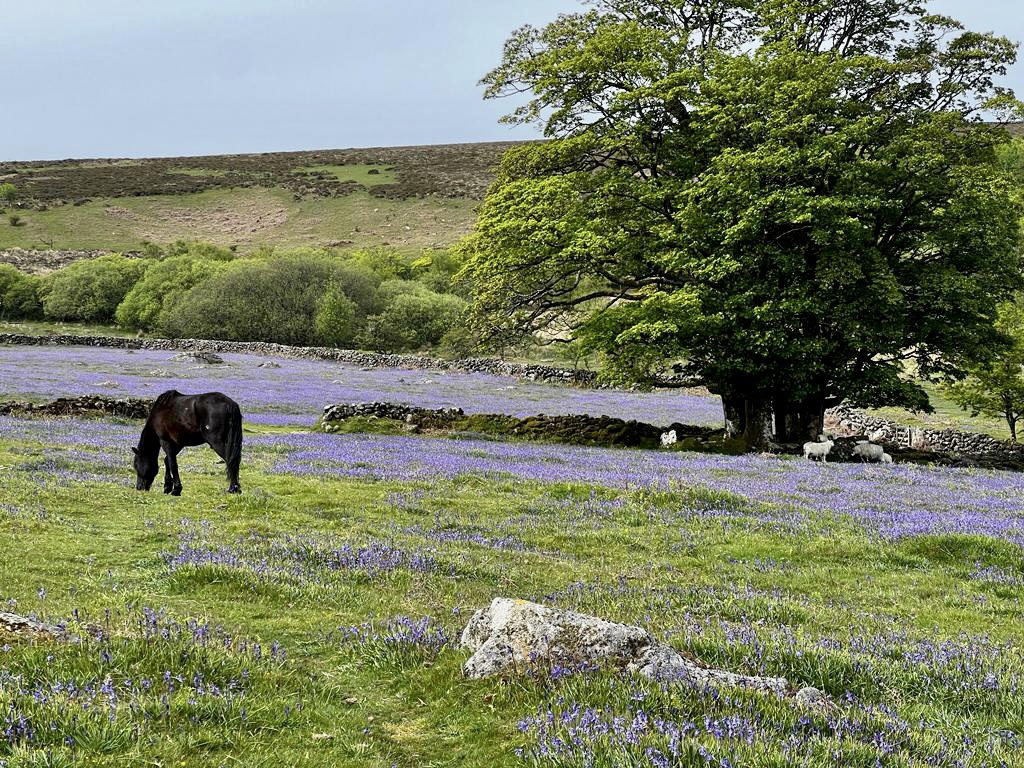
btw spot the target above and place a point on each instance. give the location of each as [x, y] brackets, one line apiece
[788, 199]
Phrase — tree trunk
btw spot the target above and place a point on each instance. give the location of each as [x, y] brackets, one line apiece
[735, 416]
[805, 421]
[1012, 422]
[757, 432]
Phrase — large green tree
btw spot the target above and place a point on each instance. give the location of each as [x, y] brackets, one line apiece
[789, 199]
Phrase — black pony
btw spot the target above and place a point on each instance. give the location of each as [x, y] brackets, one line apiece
[177, 421]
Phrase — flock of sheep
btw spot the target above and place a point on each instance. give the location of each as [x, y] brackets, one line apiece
[865, 450]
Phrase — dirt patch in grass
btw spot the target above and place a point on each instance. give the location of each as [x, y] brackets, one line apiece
[240, 221]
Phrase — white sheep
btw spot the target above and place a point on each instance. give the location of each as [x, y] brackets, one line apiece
[886, 458]
[867, 451]
[669, 438]
[820, 449]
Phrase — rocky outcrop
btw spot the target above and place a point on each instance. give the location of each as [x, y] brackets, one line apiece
[511, 636]
[87, 405]
[47, 260]
[492, 366]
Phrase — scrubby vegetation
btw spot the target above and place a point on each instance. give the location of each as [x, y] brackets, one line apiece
[90, 290]
[452, 170]
[377, 299]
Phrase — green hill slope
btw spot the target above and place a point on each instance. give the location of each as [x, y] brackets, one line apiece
[407, 197]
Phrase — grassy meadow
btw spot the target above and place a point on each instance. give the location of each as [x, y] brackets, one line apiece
[246, 218]
[314, 620]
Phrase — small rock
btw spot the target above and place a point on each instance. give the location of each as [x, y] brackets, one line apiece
[209, 358]
[810, 697]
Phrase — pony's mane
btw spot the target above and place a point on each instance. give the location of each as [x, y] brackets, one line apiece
[166, 397]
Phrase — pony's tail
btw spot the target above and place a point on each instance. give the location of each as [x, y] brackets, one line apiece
[234, 452]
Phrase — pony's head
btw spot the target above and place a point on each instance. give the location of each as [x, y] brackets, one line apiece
[146, 468]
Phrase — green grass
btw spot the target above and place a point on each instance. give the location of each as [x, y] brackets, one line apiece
[202, 172]
[96, 546]
[247, 218]
[46, 328]
[947, 415]
[357, 173]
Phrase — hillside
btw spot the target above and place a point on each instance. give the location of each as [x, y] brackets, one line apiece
[408, 197]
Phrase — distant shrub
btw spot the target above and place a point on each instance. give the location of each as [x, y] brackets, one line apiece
[14, 220]
[149, 302]
[386, 262]
[336, 321]
[90, 290]
[256, 299]
[8, 194]
[437, 271]
[19, 295]
[414, 317]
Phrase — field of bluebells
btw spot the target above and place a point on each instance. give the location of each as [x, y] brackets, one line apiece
[314, 620]
[293, 391]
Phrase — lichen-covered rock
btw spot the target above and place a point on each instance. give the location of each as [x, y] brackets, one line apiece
[810, 697]
[201, 356]
[13, 626]
[510, 635]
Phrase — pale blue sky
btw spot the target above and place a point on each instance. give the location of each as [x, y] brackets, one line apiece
[126, 78]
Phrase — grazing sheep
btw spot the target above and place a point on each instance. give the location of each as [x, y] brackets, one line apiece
[868, 451]
[820, 449]
[668, 438]
[886, 458]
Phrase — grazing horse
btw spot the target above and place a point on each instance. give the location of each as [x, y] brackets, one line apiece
[177, 421]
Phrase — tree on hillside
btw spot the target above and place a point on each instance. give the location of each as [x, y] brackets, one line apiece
[8, 194]
[996, 388]
[789, 199]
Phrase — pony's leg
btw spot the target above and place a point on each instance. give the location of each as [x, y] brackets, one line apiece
[168, 475]
[172, 462]
[233, 485]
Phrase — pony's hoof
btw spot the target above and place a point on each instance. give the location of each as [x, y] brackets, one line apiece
[176, 492]
[235, 489]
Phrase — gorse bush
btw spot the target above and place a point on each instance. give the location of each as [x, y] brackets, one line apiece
[90, 291]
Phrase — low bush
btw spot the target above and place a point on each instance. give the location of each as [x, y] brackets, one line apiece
[90, 291]
[378, 298]
[152, 299]
[255, 299]
[19, 295]
[414, 318]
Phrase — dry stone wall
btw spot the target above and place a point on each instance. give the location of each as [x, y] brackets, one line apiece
[851, 422]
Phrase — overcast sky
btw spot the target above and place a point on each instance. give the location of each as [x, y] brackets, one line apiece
[134, 78]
